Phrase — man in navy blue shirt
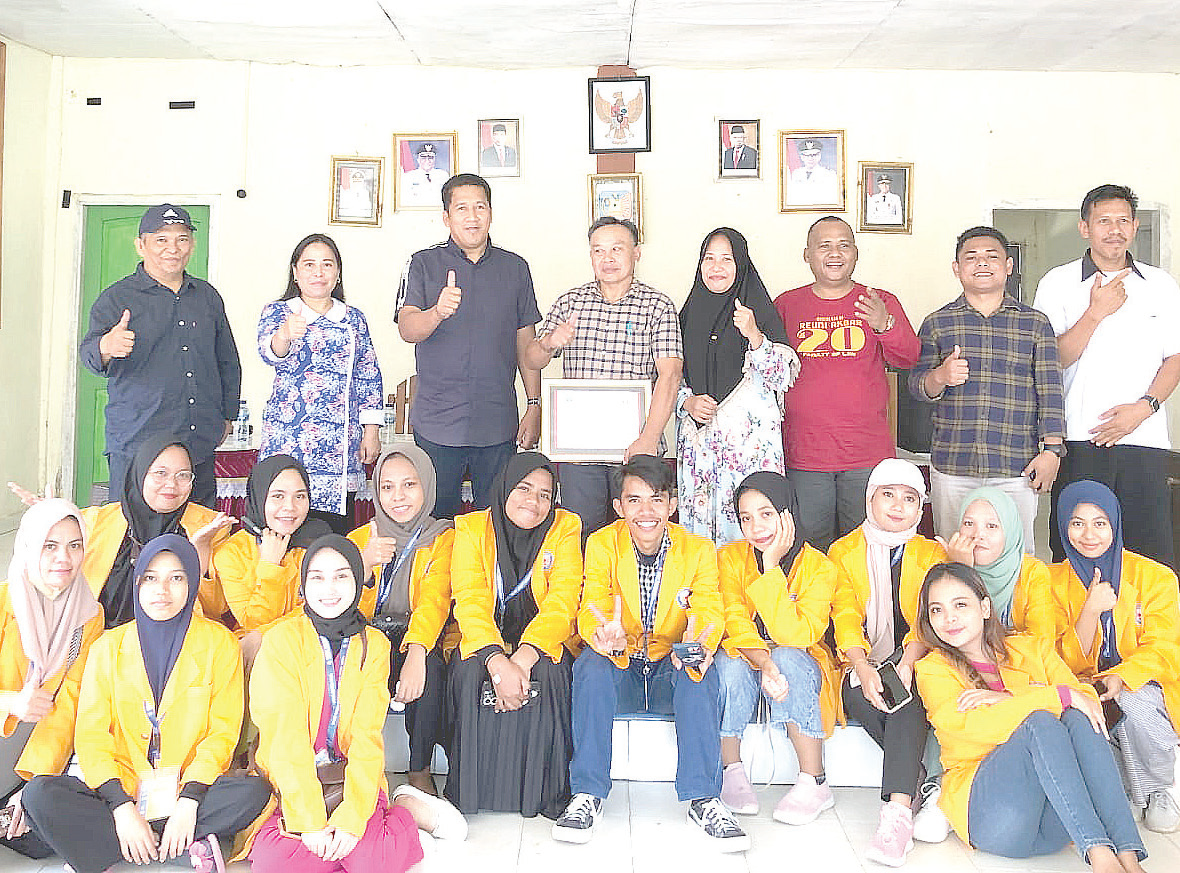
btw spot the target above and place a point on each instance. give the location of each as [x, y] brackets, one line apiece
[162, 340]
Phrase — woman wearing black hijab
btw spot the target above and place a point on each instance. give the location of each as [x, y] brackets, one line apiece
[158, 718]
[516, 576]
[737, 363]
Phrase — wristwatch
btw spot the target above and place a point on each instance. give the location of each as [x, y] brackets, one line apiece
[889, 322]
[1056, 448]
[1155, 404]
[533, 401]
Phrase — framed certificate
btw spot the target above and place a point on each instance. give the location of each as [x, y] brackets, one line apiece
[592, 419]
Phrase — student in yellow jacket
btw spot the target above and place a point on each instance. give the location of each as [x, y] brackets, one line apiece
[48, 620]
[1120, 625]
[650, 585]
[319, 695]
[258, 567]
[516, 574]
[1028, 764]
[407, 557]
[158, 716]
[777, 592]
[881, 566]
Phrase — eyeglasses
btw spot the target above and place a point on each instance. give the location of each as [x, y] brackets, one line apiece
[180, 477]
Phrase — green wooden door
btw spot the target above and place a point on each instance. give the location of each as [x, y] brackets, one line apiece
[108, 254]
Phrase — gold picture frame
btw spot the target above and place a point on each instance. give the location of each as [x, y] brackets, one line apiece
[811, 171]
[886, 195]
[417, 177]
[619, 195]
[356, 191]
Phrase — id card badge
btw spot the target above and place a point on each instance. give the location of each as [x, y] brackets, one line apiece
[159, 789]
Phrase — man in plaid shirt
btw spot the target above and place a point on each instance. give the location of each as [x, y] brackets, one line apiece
[990, 363]
[614, 327]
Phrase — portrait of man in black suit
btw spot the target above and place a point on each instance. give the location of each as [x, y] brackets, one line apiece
[738, 142]
[498, 154]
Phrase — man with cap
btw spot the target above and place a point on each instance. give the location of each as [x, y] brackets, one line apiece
[164, 344]
[813, 182]
[499, 153]
[423, 186]
[739, 156]
[884, 206]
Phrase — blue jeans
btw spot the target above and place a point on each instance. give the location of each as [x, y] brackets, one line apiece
[1054, 780]
[741, 686]
[481, 463]
[601, 690]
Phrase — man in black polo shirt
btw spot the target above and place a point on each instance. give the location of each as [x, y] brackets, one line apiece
[161, 338]
[470, 310]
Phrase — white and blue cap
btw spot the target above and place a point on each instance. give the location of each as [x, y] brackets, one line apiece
[158, 217]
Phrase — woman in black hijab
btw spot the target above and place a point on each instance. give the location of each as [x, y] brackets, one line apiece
[736, 365]
[516, 575]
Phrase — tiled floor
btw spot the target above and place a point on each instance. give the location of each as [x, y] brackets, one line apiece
[644, 830]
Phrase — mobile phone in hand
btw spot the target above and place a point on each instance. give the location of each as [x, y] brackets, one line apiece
[894, 692]
[1111, 711]
[690, 654]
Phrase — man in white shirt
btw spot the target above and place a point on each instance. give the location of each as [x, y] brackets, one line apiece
[1118, 336]
[812, 183]
[884, 206]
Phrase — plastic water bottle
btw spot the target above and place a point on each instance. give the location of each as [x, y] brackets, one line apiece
[389, 431]
[242, 425]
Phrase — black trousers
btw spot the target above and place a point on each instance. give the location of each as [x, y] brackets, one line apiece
[901, 736]
[1139, 478]
[79, 826]
[424, 717]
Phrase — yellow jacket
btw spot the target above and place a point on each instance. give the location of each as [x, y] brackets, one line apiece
[430, 590]
[556, 585]
[688, 587]
[1147, 626]
[286, 702]
[200, 710]
[1032, 601]
[794, 608]
[257, 592]
[52, 741]
[106, 527]
[850, 601]
[966, 738]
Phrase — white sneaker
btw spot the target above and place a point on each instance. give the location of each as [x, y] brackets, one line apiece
[1162, 814]
[449, 823]
[930, 823]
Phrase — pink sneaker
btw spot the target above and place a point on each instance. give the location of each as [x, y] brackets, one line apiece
[895, 836]
[804, 802]
[205, 855]
[736, 791]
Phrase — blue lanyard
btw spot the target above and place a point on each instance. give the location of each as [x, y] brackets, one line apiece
[391, 570]
[333, 690]
[153, 750]
[501, 598]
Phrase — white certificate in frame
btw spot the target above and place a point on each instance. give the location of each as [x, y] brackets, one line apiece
[592, 419]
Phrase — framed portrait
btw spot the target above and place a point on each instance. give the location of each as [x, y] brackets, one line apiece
[738, 149]
[811, 170]
[356, 191]
[422, 162]
[620, 115]
[592, 419]
[499, 147]
[619, 195]
[886, 197]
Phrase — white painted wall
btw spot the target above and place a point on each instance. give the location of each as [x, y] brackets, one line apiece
[978, 140]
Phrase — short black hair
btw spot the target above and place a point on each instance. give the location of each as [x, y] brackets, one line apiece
[654, 471]
[1108, 192]
[982, 230]
[820, 221]
[608, 220]
[461, 179]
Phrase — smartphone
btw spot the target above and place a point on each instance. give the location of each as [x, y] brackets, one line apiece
[487, 693]
[1111, 711]
[893, 691]
[690, 654]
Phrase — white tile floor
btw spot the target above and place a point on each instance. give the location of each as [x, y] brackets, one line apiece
[643, 829]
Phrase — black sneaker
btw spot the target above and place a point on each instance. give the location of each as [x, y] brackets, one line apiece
[576, 824]
[717, 823]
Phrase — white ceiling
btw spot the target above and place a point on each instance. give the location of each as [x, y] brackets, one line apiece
[1067, 35]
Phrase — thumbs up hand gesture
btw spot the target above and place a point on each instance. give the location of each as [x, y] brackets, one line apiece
[954, 369]
[743, 320]
[448, 298]
[609, 638]
[119, 340]
[560, 336]
[295, 326]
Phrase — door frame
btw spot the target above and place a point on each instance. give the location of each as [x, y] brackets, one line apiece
[84, 202]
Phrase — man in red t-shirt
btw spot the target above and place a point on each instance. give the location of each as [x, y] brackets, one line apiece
[836, 427]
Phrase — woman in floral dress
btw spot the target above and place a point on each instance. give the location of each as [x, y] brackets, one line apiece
[736, 365]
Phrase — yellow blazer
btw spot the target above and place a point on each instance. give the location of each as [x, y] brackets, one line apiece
[688, 587]
[1032, 675]
[106, 527]
[556, 585]
[286, 702]
[200, 709]
[1147, 626]
[430, 590]
[1032, 601]
[850, 601]
[52, 741]
[257, 592]
[795, 609]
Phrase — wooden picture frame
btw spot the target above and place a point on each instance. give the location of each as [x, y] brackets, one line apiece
[619, 115]
[619, 195]
[356, 191]
[811, 171]
[886, 196]
[417, 177]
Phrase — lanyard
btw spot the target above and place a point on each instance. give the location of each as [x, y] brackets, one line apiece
[153, 750]
[391, 570]
[333, 687]
[501, 598]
